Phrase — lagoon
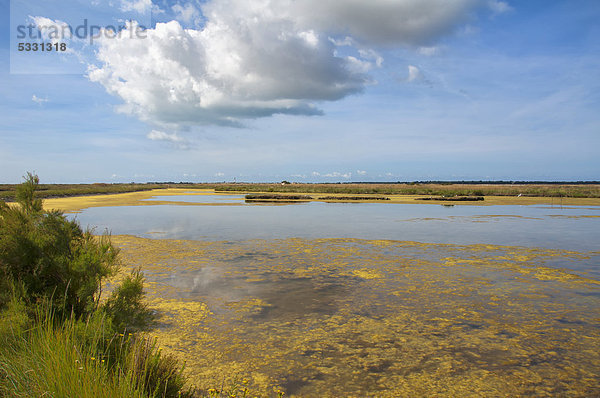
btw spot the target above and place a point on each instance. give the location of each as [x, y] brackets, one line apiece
[552, 227]
[370, 299]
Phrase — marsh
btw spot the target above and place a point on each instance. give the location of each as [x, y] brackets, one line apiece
[370, 299]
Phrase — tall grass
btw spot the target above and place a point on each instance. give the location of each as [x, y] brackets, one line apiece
[80, 359]
[57, 338]
[53, 360]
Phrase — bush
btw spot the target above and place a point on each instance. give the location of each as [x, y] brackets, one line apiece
[56, 338]
[125, 306]
[51, 256]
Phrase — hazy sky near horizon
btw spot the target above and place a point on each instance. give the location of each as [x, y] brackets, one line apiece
[307, 91]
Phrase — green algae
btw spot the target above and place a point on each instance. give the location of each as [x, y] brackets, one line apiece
[362, 318]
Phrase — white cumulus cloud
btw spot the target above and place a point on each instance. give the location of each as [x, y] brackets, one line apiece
[220, 75]
[257, 58]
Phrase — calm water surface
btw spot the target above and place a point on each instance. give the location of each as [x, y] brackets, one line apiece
[329, 299]
[571, 228]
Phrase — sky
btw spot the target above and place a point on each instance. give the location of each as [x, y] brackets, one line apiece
[304, 91]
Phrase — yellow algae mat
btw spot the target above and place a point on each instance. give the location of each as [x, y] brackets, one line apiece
[363, 318]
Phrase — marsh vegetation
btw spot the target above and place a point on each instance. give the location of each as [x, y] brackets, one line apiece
[58, 336]
[436, 189]
[8, 191]
[541, 189]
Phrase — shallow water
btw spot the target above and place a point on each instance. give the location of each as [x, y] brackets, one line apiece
[350, 317]
[573, 228]
[371, 300]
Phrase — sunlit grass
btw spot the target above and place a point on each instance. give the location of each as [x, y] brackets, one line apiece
[53, 361]
[80, 359]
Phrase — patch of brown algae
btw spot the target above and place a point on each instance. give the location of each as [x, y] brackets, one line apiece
[364, 318]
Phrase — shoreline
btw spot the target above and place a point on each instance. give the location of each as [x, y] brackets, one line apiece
[74, 204]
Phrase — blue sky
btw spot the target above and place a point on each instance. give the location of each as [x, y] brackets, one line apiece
[252, 91]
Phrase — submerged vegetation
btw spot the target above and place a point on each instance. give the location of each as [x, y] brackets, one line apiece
[343, 317]
[57, 336]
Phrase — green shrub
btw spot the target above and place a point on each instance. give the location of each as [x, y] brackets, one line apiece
[52, 256]
[125, 305]
[56, 338]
